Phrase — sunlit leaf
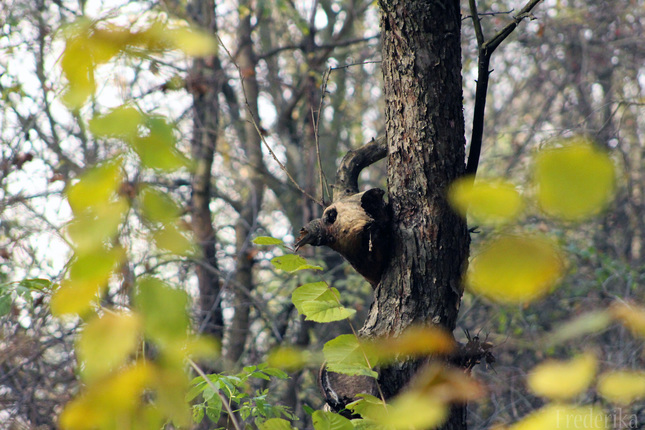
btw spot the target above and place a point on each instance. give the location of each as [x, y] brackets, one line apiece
[622, 386]
[555, 416]
[164, 311]
[90, 229]
[292, 263]
[562, 380]
[414, 409]
[574, 181]
[107, 342]
[192, 41]
[320, 303]
[267, 240]
[587, 323]
[489, 202]
[122, 122]
[275, 424]
[158, 206]
[290, 358]
[414, 341]
[346, 355]
[174, 239]
[631, 316]
[96, 187]
[330, 421]
[512, 269]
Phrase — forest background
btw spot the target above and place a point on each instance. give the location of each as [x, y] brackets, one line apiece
[291, 87]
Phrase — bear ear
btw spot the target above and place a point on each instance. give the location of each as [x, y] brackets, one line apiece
[372, 202]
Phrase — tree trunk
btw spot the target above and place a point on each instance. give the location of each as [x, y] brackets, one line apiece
[243, 282]
[425, 135]
[204, 82]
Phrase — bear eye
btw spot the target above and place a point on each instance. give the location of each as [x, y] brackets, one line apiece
[330, 216]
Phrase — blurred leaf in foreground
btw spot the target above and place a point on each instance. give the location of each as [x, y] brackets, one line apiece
[516, 269]
[622, 386]
[575, 180]
[488, 202]
[562, 380]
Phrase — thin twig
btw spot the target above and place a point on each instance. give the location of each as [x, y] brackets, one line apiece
[257, 127]
[324, 186]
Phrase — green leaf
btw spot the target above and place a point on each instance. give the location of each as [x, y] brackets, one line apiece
[292, 263]
[37, 284]
[122, 122]
[164, 311]
[214, 408]
[267, 240]
[198, 413]
[5, 303]
[275, 424]
[174, 239]
[157, 148]
[320, 303]
[345, 354]
[369, 407]
[330, 421]
[158, 206]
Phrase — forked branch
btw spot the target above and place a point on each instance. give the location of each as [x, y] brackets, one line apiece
[486, 49]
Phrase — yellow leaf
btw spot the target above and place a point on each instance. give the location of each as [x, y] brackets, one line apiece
[512, 269]
[447, 384]
[89, 230]
[109, 402]
[171, 384]
[561, 380]
[290, 358]
[74, 297]
[631, 316]
[622, 386]
[488, 202]
[413, 409]
[414, 341]
[78, 68]
[555, 416]
[106, 343]
[192, 41]
[574, 181]
[96, 187]
[88, 278]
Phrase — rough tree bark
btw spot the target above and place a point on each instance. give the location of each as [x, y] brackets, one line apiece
[426, 151]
